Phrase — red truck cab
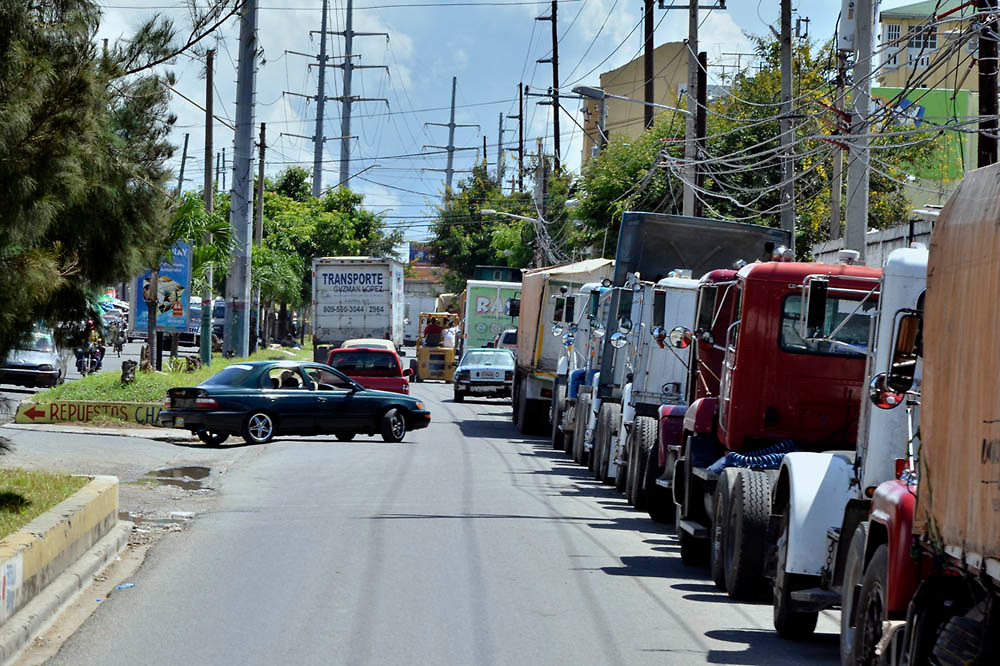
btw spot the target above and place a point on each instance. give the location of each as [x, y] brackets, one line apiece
[372, 367]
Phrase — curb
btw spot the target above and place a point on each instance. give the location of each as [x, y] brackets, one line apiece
[36, 557]
[39, 613]
[143, 413]
[157, 434]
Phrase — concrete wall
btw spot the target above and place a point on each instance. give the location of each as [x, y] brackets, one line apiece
[880, 243]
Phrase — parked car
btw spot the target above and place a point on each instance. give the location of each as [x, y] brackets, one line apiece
[484, 372]
[371, 342]
[264, 399]
[506, 340]
[372, 367]
[35, 362]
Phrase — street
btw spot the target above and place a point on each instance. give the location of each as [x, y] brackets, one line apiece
[465, 544]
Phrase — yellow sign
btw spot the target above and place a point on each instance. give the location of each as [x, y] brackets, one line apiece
[143, 413]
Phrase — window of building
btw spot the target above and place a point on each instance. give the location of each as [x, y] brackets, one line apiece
[892, 46]
[921, 37]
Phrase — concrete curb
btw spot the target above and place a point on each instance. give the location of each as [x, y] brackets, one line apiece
[36, 557]
[39, 613]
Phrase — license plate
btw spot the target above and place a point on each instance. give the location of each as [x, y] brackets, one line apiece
[179, 422]
[481, 389]
[489, 375]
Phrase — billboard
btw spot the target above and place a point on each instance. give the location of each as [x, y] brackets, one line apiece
[173, 294]
[487, 311]
[420, 253]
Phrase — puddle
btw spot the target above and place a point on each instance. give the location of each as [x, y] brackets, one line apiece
[188, 478]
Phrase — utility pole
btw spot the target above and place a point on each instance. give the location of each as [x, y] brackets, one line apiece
[347, 99]
[690, 147]
[209, 199]
[449, 170]
[223, 169]
[541, 195]
[987, 147]
[647, 60]
[858, 170]
[520, 137]
[785, 126]
[184, 157]
[555, 79]
[700, 123]
[217, 172]
[241, 197]
[837, 185]
[258, 231]
[318, 137]
[500, 164]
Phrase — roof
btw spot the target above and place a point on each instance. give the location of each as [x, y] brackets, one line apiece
[922, 10]
[425, 273]
[579, 267]
[793, 271]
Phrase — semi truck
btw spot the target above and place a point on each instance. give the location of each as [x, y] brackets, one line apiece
[929, 589]
[546, 301]
[487, 310]
[651, 245]
[821, 499]
[356, 297]
[770, 375]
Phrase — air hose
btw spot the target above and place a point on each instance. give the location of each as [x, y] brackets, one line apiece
[766, 458]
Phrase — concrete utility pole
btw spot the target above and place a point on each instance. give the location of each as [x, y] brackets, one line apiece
[449, 169]
[184, 157]
[520, 137]
[223, 169]
[987, 147]
[785, 126]
[258, 231]
[555, 78]
[647, 61]
[347, 99]
[217, 155]
[700, 128]
[837, 183]
[500, 164]
[690, 146]
[209, 199]
[318, 137]
[858, 170]
[241, 198]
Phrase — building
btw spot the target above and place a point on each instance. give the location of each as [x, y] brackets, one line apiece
[497, 273]
[670, 65]
[911, 51]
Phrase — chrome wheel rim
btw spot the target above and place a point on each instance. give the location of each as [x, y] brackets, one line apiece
[397, 426]
[260, 427]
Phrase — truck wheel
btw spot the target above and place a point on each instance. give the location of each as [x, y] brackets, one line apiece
[558, 400]
[659, 501]
[850, 594]
[960, 642]
[789, 623]
[579, 428]
[746, 535]
[694, 551]
[631, 465]
[871, 607]
[568, 437]
[522, 412]
[621, 470]
[611, 416]
[645, 438]
[721, 507]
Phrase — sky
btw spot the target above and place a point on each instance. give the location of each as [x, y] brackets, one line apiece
[489, 45]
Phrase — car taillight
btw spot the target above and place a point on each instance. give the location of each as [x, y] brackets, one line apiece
[166, 402]
[205, 403]
[508, 376]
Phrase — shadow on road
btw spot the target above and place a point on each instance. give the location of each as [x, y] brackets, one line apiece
[765, 647]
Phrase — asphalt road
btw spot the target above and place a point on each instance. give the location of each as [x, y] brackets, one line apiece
[466, 544]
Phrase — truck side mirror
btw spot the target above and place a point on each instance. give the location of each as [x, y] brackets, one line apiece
[815, 295]
[905, 353]
[515, 307]
[881, 395]
[680, 337]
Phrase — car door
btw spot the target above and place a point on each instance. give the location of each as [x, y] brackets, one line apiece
[332, 396]
[287, 392]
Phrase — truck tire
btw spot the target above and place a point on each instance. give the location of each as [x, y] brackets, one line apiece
[694, 551]
[645, 436]
[789, 623]
[850, 594]
[608, 421]
[961, 642]
[558, 400]
[659, 501]
[721, 507]
[621, 474]
[521, 408]
[871, 607]
[568, 437]
[580, 428]
[631, 465]
[745, 540]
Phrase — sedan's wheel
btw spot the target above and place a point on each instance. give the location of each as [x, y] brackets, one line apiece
[345, 436]
[212, 438]
[393, 426]
[459, 396]
[258, 428]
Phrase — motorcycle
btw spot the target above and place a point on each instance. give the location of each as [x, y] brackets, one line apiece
[118, 340]
[88, 359]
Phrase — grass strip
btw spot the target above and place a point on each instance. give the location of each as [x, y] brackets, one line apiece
[152, 386]
[26, 495]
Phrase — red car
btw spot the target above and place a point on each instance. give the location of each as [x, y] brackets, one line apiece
[372, 367]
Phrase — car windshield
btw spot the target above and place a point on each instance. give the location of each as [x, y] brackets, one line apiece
[234, 375]
[40, 342]
[366, 363]
[510, 338]
[844, 331]
[502, 358]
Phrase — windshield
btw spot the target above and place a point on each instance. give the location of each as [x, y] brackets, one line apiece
[40, 342]
[501, 358]
[365, 363]
[234, 375]
[510, 338]
[850, 339]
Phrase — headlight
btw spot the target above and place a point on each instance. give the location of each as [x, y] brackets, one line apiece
[618, 340]
[420, 405]
[46, 367]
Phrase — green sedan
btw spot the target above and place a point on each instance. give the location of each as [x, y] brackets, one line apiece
[263, 399]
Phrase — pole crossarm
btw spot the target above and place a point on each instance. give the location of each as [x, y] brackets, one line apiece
[354, 98]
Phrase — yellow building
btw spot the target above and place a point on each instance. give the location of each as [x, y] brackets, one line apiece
[626, 118]
[910, 49]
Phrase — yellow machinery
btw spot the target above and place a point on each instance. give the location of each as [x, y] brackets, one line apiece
[434, 360]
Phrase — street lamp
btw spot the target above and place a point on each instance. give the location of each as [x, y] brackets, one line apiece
[490, 211]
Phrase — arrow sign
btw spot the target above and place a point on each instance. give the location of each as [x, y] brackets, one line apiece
[33, 413]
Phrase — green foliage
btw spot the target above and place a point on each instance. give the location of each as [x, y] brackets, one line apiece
[29, 494]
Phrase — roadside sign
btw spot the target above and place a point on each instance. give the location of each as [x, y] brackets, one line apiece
[173, 294]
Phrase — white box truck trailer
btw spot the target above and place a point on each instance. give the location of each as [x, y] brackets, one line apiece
[356, 297]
